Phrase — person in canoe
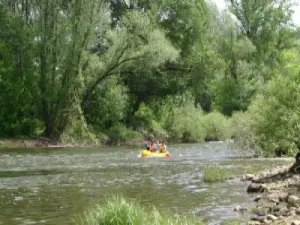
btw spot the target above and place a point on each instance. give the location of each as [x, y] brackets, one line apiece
[152, 147]
[147, 145]
[163, 147]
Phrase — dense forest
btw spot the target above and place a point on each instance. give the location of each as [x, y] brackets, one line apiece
[98, 71]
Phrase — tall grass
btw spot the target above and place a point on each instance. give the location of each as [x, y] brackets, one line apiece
[118, 211]
[214, 174]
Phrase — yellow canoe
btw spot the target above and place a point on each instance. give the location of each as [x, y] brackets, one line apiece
[146, 153]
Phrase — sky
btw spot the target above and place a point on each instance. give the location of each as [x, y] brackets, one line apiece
[296, 17]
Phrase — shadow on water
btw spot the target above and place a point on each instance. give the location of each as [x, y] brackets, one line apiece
[51, 186]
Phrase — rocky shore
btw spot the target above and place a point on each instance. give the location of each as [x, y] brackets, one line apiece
[277, 196]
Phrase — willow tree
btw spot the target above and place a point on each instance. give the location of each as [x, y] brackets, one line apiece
[131, 51]
[64, 33]
[267, 24]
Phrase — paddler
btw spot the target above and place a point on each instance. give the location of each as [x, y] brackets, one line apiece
[163, 147]
[152, 147]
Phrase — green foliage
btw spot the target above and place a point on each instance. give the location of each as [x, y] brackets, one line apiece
[77, 129]
[19, 91]
[146, 122]
[242, 131]
[86, 70]
[213, 173]
[216, 126]
[276, 118]
[186, 125]
[190, 124]
[265, 23]
[109, 103]
[119, 133]
[228, 96]
[118, 211]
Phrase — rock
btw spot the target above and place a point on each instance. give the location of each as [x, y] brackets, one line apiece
[254, 187]
[282, 212]
[265, 203]
[248, 177]
[296, 222]
[283, 197]
[281, 206]
[239, 209]
[266, 221]
[258, 218]
[257, 198]
[260, 211]
[281, 217]
[272, 217]
[291, 213]
[253, 223]
[297, 211]
[293, 200]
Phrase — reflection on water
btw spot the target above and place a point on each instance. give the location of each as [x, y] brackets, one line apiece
[51, 186]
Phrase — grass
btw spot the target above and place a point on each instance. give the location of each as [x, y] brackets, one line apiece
[214, 174]
[118, 211]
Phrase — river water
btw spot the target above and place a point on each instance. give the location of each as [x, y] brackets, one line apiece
[52, 186]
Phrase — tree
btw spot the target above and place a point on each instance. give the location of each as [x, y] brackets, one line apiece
[266, 23]
[18, 113]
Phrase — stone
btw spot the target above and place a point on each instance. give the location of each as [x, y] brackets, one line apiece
[258, 218]
[249, 177]
[252, 222]
[293, 200]
[261, 211]
[291, 213]
[254, 187]
[283, 197]
[257, 198]
[238, 208]
[266, 203]
[296, 222]
[272, 217]
[281, 206]
[266, 221]
[297, 211]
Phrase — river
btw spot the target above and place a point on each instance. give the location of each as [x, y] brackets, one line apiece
[52, 186]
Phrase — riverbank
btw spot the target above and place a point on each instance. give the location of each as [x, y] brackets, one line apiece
[39, 142]
[277, 196]
[48, 143]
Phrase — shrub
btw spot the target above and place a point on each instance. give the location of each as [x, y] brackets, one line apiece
[242, 131]
[118, 211]
[120, 133]
[216, 126]
[275, 116]
[186, 125]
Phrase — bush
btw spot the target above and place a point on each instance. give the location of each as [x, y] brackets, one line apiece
[214, 173]
[275, 116]
[190, 124]
[216, 126]
[118, 211]
[242, 131]
[186, 125]
[229, 96]
[120, 133]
